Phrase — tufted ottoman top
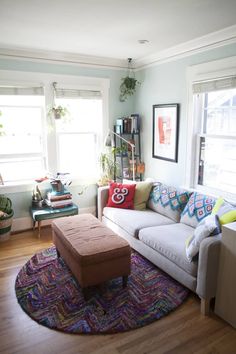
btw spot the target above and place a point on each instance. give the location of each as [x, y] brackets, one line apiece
[89, 240]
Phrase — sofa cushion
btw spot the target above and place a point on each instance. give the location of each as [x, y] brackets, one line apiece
[167, 200]
[121, 195]
[134, 220]
[197, 208]
[225, 211]
[141, 195]
[209, 226]
[169, 240]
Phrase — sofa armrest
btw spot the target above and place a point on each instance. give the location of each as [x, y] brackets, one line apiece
[102, 199]
[209, 255]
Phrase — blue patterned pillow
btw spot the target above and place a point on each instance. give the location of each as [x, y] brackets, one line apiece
[198, 207]
[168, 200]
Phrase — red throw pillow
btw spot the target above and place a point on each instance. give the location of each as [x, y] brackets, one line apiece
[121, 195]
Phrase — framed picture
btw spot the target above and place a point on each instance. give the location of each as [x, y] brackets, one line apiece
[165, 132]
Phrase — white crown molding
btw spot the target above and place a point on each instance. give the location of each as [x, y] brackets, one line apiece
[198, 45]
[53, 57]
[213, 40]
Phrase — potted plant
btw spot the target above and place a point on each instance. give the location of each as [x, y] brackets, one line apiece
[120, 150]
[127, 87]
[58, 112]
[128, 83]
[6, 217]
[108, 167]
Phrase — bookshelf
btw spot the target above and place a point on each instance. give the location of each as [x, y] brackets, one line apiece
[128, 128]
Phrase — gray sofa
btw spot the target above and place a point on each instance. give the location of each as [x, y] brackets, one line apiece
[162, 241]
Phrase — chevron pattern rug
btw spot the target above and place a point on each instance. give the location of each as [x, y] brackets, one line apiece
[49, 294]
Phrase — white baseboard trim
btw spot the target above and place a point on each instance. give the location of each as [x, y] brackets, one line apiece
[26, 223]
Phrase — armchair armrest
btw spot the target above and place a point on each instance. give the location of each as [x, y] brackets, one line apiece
[209, 255]
[102, 200]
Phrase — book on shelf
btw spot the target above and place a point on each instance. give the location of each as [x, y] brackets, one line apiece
[128, 125]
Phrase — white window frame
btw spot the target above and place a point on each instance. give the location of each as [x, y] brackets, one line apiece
[202, 72]
[16, 78]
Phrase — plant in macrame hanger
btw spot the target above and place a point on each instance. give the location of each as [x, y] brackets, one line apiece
[128, 83]
[57, 112]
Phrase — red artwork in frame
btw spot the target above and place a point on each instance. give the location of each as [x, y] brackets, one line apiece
[165, 131]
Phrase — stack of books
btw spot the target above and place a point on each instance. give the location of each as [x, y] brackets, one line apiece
[128, 125]
[58, 199]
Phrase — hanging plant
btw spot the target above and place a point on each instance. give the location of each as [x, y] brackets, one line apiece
[58, 112]
[128, 84]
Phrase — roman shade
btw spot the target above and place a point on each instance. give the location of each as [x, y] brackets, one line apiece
[217, 84]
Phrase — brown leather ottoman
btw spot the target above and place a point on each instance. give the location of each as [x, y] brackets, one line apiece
[93, 252]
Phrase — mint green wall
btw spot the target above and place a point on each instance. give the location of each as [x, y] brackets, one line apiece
[166, 83]
[21, 201]
[116, 108]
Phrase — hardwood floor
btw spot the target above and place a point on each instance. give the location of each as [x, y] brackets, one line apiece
[183, 331]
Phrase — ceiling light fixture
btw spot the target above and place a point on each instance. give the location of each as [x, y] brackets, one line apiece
[143, 41]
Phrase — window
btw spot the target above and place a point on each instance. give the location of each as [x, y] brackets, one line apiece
[214, 136]
[217, 140]
[22, 144]
[79, 135]
[32, 143]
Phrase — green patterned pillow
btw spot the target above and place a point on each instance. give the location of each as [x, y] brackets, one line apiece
[199, 206]
[167, 200]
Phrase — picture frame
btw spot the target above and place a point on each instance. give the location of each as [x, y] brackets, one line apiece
[165, 132]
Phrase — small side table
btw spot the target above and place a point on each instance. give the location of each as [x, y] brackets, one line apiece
[226, 285]
[46, 213]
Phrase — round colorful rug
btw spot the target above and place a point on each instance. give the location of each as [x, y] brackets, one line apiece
[48, 293]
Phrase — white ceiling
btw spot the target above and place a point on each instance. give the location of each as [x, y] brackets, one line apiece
[111, 28]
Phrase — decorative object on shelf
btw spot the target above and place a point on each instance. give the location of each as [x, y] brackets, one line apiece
[140, 167]
[165, 132]
[6, 216]
[57, 112]
[128, 83]
[109, 141]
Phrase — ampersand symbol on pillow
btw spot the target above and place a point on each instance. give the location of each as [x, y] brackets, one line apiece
[119, 194]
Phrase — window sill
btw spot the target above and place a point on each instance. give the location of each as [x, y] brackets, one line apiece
[29, 185]
[13, 187]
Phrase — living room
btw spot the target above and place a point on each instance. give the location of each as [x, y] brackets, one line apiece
[176, 45]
